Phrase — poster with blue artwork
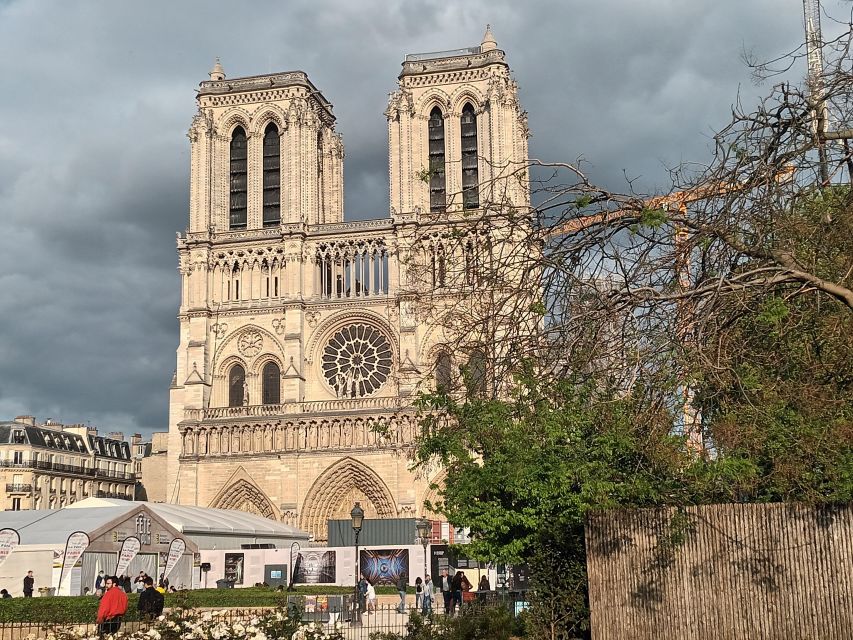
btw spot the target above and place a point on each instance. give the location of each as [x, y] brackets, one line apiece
[384, 566]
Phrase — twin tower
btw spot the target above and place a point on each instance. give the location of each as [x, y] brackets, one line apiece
[299, 332]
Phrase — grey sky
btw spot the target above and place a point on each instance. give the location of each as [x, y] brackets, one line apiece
[96, 99]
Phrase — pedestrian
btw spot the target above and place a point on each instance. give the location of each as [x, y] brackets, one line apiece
[29, 583]
[362, 594]
[5, 594]
[419, 591]
[139, 582]
[99, 582]
[456, 591]
[446, 590]
[402, 586]
[112, 608]
[484, 584]
[163, 582]
[371, 598]
[126, 584]
[151, 601]
[428, 596]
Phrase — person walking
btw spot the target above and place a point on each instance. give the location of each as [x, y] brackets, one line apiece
[402, 586]
[428, 596]
[112, 607]
[151, 601]
[371, 598]
[99, 583]
[419, 590]
[446, 590]
[139, 582]
[29, 583]
[456, 592]
[362, 594]
[484, 584]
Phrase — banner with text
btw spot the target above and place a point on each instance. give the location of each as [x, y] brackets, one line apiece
[74, 548]
[129, 548]
[176, 550]
[9, 539]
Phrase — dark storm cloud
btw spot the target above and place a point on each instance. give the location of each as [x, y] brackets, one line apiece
[97, 97]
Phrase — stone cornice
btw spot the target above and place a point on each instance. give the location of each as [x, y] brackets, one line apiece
[414, 66]
[271, 82]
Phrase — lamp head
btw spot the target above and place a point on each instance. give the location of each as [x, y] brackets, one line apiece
[424, 528]
[357, 515]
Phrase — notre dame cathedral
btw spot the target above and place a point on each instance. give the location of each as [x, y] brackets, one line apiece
[302, 345]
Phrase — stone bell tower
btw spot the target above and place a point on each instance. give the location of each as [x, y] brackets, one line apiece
[457, 134]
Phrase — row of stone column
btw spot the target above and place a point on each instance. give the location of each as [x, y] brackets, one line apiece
[302, 436]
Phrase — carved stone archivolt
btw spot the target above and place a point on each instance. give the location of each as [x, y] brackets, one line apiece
[242, 494]
[335, 491]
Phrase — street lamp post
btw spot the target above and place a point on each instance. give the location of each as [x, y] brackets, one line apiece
[357, 515]
[424, 528]
[292, 566]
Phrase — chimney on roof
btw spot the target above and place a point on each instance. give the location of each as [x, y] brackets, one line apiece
[29, 420]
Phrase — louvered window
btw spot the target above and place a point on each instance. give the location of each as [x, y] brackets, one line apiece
[443, 372]
[272, 383]
[238, 208]
[272, 176]
[236, 382]
[437, 186]
[470, 171]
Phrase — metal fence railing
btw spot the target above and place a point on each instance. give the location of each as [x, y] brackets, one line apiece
[381, 618]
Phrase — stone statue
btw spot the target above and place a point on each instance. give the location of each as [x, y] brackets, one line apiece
[245, 394]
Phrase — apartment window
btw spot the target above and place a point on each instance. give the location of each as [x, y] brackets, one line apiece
[18, 457]
[16, 504]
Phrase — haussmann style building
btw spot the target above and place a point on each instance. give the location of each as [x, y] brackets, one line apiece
[300, 333]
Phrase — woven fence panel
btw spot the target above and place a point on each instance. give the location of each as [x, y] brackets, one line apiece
[730, 571]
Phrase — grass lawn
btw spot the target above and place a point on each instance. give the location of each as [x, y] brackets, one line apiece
[85, 608]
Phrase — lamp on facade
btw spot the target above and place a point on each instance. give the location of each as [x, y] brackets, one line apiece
[357, 515]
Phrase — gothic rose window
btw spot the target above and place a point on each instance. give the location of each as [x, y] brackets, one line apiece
[357, 361]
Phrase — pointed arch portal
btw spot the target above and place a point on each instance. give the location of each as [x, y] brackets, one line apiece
[333, 494]
[243, 495]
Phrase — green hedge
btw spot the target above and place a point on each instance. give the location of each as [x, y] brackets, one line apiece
[85, 608]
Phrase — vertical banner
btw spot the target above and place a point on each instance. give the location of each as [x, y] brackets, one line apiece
[74, 548]
[176, 550]
[129, 548]
[9, 539]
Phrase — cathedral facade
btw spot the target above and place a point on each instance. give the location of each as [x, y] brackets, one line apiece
[302, 338]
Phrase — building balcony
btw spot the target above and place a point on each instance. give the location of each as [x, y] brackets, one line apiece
[19, 488]
[293, 408]
[54, 468]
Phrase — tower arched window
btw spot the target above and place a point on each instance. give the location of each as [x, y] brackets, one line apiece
[236, 384]
[272, 176]
[470, 170]
[271, 383]
[476, 373]
[238, 200]
[437, 184]
[443, 372]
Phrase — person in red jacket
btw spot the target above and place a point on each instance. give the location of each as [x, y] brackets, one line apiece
[113, 606]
